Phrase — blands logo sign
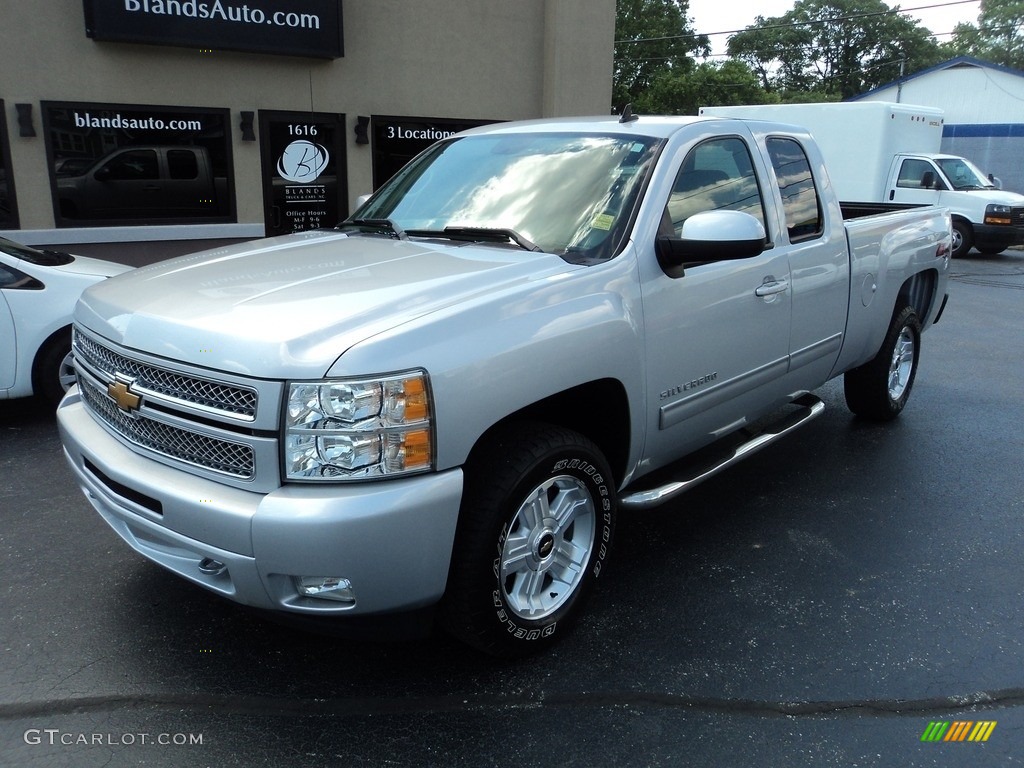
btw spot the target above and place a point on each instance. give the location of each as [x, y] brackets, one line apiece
[311, 28]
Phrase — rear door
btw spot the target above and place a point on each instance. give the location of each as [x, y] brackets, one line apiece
[814, 238]
[187, 182]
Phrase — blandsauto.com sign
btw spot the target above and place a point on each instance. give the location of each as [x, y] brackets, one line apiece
[288, 27]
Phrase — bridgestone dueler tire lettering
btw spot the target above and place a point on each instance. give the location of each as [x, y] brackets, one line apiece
[519, 578]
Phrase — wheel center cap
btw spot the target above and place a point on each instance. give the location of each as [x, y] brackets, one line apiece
[545, 545]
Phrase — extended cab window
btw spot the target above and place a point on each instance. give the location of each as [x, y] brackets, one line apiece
[717, 175]
[800, 202]
[182, 164]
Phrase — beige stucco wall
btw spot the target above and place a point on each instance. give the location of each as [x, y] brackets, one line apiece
[466, 59]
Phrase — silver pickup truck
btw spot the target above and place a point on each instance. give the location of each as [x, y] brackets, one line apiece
[440, 407]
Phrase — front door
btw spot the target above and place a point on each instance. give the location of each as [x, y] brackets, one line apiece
[718, 336]
[916, 182]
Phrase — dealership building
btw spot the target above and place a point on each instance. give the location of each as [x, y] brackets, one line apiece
[190, 122]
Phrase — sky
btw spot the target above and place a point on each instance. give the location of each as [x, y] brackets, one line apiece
[711, 16]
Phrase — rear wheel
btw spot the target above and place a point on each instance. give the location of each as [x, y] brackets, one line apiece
[536, 523]
[879, 389]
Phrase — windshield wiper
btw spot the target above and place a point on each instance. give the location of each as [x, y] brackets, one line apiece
[480, 234]
[386, 224]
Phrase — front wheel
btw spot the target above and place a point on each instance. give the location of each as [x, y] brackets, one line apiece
[880, 388]
[535, 527]
[963, 238]
[53, 373]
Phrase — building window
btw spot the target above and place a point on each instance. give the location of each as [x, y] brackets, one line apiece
[134, 165]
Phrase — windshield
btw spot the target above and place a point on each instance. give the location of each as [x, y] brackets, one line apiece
[569, 194]
[32, 256]
[963, 174]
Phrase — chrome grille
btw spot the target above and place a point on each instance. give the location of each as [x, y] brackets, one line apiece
[1017, 217]
[235, 459]
[227, 398]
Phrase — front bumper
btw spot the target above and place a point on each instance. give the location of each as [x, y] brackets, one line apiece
[997, 236]
[391, 539]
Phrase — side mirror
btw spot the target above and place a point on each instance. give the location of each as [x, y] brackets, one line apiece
[103, 174]
[711, 236]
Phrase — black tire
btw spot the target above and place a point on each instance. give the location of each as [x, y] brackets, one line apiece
[535, 528]
[879, 389]
[963, 238]
[52, 372]
[992, 250]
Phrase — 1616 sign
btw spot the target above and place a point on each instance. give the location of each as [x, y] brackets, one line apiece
[303, 171]
[288, 27]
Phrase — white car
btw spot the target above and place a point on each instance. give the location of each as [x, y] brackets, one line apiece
[38, 291]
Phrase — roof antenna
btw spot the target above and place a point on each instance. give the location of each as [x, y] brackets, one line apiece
[627, 115]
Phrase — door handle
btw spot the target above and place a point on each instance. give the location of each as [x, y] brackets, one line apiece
[770, 288]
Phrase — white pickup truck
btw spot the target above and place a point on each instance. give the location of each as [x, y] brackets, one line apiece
[439, 408]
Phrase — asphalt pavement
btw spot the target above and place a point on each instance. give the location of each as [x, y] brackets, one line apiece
[823, 604]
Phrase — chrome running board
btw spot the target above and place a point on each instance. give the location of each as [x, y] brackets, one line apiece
[810, 407]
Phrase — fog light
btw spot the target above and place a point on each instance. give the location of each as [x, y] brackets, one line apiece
[211, 567]
[326, 588]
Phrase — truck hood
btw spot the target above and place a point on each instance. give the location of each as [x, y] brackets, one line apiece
[84, 265]
[288, 307]
[1003, 197]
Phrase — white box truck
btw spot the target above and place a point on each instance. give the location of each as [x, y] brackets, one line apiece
[882, 155]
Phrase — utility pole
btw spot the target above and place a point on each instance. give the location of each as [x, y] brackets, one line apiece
[899, 83]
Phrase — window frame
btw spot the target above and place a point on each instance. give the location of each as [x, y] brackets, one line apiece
[819, 229]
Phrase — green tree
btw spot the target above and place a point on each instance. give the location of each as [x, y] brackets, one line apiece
[652, 38]
[776, 51]
[838, 47]
[728, 83]
[998, 37]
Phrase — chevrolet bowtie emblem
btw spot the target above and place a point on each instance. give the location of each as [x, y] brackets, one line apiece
[126, 400]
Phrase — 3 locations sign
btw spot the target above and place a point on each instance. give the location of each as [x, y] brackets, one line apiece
[397, 140]
[288, 27]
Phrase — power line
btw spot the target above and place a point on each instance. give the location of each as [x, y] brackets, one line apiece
[808, 47]
[832, 20]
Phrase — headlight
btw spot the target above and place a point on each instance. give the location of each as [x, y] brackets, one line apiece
[346, 429]
[998, 214]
